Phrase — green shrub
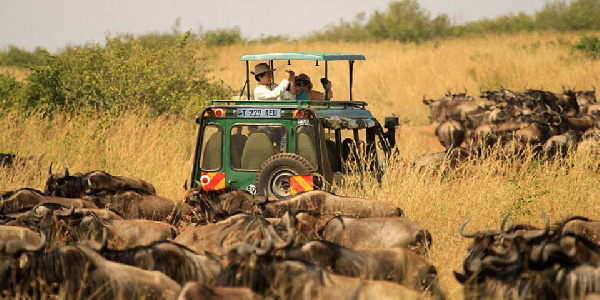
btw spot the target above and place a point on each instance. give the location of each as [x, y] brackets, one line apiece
[17, 57]
[222, 37]
[9, 89]
[125, 75]
[589, 46]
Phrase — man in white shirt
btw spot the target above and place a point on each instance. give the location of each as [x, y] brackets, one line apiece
[267, 90]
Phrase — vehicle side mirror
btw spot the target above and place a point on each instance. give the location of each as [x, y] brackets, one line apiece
[391, 122]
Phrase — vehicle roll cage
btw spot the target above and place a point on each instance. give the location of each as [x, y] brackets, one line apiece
[301, 55]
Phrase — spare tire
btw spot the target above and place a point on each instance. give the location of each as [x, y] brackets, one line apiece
[273, 176]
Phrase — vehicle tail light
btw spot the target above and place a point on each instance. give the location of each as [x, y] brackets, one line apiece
[301, 113]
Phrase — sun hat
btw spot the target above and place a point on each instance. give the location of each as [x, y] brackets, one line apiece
[261, 68]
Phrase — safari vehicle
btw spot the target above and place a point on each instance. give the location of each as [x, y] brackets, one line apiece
[277, 148]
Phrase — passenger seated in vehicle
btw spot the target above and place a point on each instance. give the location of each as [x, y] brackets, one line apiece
[303, 89]
[267, 90]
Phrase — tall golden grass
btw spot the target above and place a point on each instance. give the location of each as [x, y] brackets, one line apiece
[393, 80]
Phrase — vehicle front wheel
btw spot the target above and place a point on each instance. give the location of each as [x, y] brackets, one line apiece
[273, 176]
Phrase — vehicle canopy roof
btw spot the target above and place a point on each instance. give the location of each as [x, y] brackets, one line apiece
[303, 55]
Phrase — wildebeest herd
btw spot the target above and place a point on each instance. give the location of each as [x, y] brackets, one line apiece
[96, 235]
[507, 123]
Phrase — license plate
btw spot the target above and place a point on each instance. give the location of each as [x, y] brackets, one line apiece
[259, 113]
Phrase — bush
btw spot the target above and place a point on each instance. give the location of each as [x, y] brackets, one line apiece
[589, 45]
[9, 89]
[22, 58]
[125, 75]
[222, 37]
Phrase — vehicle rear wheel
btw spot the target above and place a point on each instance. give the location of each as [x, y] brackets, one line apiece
[273, 176]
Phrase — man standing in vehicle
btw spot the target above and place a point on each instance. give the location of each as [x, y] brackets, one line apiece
[267, 90]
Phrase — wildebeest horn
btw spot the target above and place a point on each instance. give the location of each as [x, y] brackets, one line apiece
[68, 213]
[510, 224]
[34, 209]
[50, 169]
[185, 187]
[198, 184]
[66, 170]
[18, 246]
[534, 235]
[462, 227]
[593, 88]
[268, 246]
[94, 245]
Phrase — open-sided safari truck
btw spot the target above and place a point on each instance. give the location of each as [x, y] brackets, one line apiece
[278, 148]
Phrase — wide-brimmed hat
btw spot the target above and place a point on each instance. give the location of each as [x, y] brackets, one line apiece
[261, 68]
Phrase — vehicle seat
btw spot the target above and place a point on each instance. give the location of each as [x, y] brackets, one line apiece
[236, 147]
[258, 148]
[212, 152]
[306, 148]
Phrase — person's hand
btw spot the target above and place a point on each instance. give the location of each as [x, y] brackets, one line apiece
[287, 75]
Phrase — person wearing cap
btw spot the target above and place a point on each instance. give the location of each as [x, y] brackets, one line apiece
[303, 89]
[267, 90]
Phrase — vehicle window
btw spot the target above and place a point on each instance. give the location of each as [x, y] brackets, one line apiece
[252, 144]
[212, 148]
[305, 143]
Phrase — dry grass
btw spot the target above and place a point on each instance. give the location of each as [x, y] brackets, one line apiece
[393, 80]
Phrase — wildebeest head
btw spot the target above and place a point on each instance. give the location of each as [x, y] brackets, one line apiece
[64, 185]
[217, 205]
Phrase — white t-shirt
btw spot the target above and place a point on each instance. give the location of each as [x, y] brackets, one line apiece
[273, 91]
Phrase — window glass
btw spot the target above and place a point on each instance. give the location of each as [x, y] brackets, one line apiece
[252, 144]
[305, 143]
[212, 148]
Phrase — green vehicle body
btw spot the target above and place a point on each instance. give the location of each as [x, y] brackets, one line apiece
[304, 137]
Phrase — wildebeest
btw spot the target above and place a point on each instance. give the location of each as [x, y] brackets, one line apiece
[399, 265]
[26, 235]
[97, 183]
[253, 266]
[451, 133]
[27, 198]
[133, 205]
[231, 230]
[174, 260]
[217, 205]
[79, 270]
[329, 204]
[445, 109]
[196, 290]
[440, 161]
[81, 225]
[389, 232]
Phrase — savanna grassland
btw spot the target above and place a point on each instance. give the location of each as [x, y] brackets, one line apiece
[393, 80]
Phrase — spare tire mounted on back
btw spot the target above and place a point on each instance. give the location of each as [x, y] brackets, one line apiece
[273, 176]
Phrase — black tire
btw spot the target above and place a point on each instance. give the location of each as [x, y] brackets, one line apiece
[273, 176]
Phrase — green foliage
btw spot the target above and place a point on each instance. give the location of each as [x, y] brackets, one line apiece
[125, 74]
[525, 193]
[23, 58]
[9, 89]
[589, 45]
[222, 37]
[407, 21]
